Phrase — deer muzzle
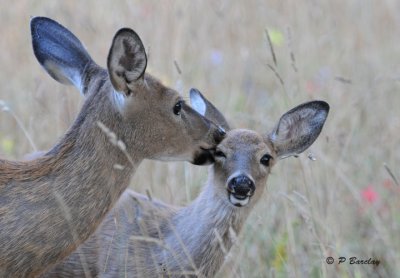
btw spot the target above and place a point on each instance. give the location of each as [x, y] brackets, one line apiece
[240, 189]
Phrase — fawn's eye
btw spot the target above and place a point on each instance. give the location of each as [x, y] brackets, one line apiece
[178, 107]
[219, 153]
[266, 159]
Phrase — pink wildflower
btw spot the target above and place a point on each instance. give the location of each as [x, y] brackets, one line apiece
[369, 194]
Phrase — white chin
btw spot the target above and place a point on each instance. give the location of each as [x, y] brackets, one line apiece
[238, 202]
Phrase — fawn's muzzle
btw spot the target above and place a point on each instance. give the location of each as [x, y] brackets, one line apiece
[240, 189]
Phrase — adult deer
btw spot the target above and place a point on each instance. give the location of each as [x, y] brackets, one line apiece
[142, 237]
[50, 205]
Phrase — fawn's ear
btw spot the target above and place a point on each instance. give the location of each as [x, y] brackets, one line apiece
[207, 109]
[60, 53]
[298, 128]
[126, 61]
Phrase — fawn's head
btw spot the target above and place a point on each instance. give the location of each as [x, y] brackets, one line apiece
[137, 107]
[244, 158]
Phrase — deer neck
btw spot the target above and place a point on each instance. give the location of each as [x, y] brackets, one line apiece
[93, 164]
[95, 149]
[209, 226]
[68, 191]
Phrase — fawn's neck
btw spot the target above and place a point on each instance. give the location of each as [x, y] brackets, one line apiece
[208, 228]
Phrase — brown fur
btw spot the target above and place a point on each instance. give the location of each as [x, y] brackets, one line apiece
[147, 238]
[31, 170]
[50, 205]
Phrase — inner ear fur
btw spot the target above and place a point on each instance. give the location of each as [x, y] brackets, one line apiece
[127, 60]
[298, 128]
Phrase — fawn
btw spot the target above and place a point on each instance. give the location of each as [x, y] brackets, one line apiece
[50, 205]
[143, 237]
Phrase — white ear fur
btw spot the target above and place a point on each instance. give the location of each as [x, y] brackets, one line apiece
[205, 108]
[119, 100]
[197, 102]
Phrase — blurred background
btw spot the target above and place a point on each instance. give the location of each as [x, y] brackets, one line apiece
[255, 60]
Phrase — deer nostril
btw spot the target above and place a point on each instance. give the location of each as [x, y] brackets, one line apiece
[241, 185]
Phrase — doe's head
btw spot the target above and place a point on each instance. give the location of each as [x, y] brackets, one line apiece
[134, 105]
[244, 158]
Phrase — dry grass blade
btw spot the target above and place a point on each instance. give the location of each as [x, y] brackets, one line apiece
[112, 137]
[343, 80]
[391, 174]
[8, 110]
[292, 57]
[178, 69]
[271, 48]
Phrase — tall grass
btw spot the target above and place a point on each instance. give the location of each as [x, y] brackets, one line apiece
[345, 203]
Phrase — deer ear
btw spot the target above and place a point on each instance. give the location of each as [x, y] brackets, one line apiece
[207, 109]
[298, 128]
[126, 61]
[60, 53]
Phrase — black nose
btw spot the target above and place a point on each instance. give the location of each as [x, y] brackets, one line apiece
[219, 134]
[241, 185]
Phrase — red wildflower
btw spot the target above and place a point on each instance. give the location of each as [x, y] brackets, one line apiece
[369, 194]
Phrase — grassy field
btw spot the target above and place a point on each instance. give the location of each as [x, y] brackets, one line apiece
[346, 203]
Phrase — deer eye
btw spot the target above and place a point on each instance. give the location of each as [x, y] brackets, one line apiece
[265, 159]
[178, 107]
[219, 153]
